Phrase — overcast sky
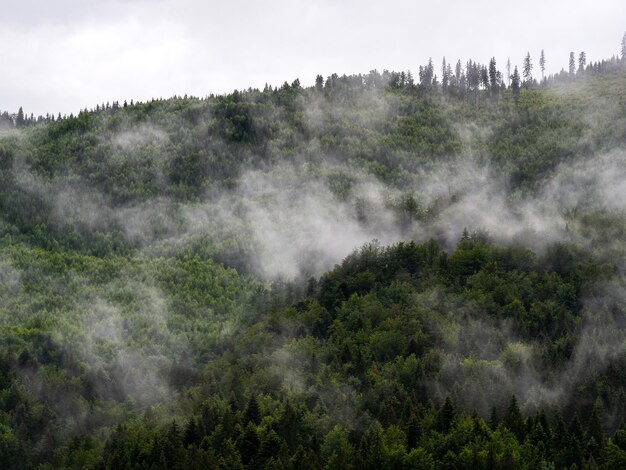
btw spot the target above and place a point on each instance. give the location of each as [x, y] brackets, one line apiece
[64, 55]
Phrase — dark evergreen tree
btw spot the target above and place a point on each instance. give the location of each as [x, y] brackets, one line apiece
[582, 62]
[494, 420]
[508, 72]
[252, 412]
[445, 77]
[513, 419]
[515, 84]
[372, 447]
[484, 77]
[527, 71]
[426, 74]
[248, 444]
[596, 433]
[493, 76]
[413, 431]
[20, 120]
[409, 79]
[446, 416]
[574, 452]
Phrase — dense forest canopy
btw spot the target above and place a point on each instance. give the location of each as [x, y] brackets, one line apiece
[378, 271]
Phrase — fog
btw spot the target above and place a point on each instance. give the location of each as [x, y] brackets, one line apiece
[297, 215]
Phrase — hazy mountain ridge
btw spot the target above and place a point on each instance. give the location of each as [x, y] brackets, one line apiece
[119, 229]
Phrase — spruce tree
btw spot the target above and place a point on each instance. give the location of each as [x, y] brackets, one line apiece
[20, 121]
[508, 71]
[515, 84]
[493, 76]
[319, 83]
[445, 78]
[528, 71]
[513, 419]
[582, 62]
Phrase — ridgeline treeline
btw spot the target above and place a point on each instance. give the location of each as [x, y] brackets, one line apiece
[168, 297]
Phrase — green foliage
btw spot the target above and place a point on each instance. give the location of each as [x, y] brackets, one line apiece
[131, 335]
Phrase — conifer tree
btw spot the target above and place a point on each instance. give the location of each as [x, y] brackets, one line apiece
[409, 79]
[572, 64]
[445, 78]
[582, 62]
[446, 416]
[542, 64]
[20, 121]
[513, 419]
[515, 84]
[528, 70]
[493, 75]
[508, 71]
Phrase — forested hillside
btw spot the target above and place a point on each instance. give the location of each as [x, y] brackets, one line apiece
[372, 272]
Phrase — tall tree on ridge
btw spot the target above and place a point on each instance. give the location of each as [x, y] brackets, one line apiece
[493, 76]
[528, 71]
[484, 77]
[515, 84]
[319, 83]
[426, 74]
[445, 78]
[542, 64]
[20, 120]
[572, 64]
[582, 62]
[508, 71]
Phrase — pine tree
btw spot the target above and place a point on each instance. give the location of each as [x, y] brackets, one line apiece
[252, 412]
[508, 72]
[515, 84]
[413, 431]
[582, 62]
[513, 419]
[484, 77]
[445, 78]
[493, 418]
[426, 74]
[319, 83]
[595, 431]
[624, 47]
[372, 446]
[542, 64]
[248, 444]
[446, 416]
[574, 450]
[20, 121]
[493, 76]
[572, 64]
[409, 79]
[528, 70]
[192, 434]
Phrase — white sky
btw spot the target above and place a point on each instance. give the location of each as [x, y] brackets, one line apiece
[64, 55]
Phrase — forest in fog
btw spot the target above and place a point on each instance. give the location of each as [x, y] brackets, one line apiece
[377, 271]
